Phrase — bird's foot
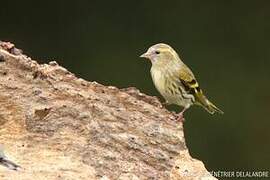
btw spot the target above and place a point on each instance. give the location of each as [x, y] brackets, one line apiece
[164, 104]
[180, 118]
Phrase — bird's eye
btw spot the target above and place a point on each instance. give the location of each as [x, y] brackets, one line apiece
[157, 52]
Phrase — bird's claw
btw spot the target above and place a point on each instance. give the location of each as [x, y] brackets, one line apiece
[164, 104]
[180, 118]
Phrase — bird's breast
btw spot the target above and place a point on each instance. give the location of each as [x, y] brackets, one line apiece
[169, 88]
[159, 79]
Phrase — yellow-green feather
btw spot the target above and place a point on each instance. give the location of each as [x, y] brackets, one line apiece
[204, 102]
[191, 85]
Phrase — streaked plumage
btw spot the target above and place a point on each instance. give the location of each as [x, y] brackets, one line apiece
[174, 80]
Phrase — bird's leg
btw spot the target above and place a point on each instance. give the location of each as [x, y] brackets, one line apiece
[180, 116]
[165, 103]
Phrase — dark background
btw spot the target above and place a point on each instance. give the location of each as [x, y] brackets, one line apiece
[226, 43]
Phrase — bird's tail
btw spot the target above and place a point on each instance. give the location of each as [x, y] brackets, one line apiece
[211, 108]
[206, 104]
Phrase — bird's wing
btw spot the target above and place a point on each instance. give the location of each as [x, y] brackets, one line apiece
[188, 80]
[192, 87]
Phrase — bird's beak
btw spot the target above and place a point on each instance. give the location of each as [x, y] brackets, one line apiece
[145, 55]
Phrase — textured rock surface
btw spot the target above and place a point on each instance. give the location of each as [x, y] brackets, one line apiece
[58, 126]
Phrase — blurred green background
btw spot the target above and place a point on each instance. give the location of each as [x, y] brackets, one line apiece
[226, 43]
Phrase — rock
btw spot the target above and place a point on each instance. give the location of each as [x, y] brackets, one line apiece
[4, 161]
[58, 126]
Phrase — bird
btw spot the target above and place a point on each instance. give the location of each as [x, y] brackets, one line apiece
[175, 81]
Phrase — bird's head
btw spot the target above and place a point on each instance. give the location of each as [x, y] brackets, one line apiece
[160, 54]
